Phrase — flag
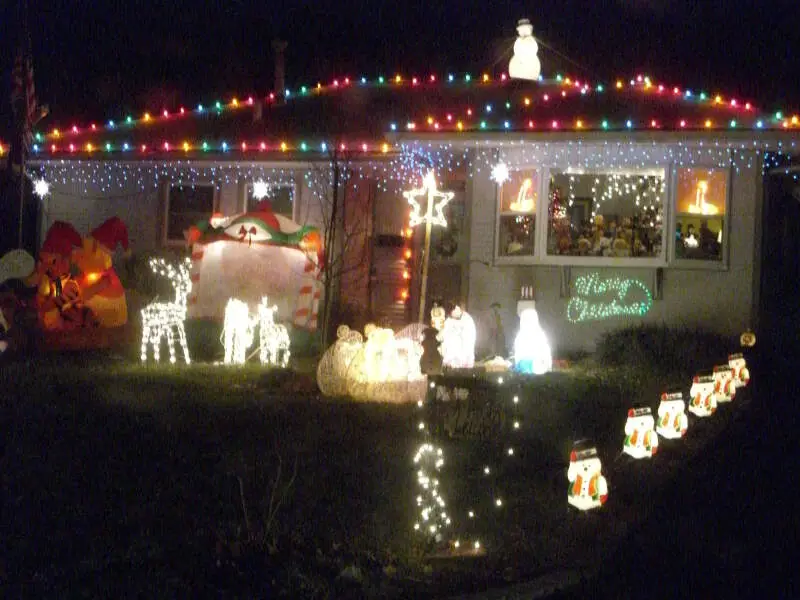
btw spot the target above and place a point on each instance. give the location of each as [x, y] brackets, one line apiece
[23, 95]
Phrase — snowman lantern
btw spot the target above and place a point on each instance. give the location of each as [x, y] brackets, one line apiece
[458, 340]
[641, 439]
[587, 486]
[724, 385]
[532, 353]
[741, 374]
[525, 62]
[703, 401]
[438, 316]
[672, 419]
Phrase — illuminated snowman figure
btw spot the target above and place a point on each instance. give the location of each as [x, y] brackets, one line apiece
[458, 340]
[724, 385]
[641, 439]
[525, 62]
[672, 419]
[531, 349]
[587, 486]
[741, 374]
[438, 316]
[703, 401]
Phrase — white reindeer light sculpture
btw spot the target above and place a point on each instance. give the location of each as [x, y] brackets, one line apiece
[239, 330]
[163, 319]
[274, 338]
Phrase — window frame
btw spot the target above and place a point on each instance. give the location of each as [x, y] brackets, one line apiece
[174, 242]
[607, 261]
[292, 191]
[500, 259]
[701, 264]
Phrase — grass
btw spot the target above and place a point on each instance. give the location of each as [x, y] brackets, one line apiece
[129, 480]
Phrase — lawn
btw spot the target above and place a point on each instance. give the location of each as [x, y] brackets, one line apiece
[154, 481]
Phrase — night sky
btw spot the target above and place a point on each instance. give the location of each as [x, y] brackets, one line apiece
[95, 60]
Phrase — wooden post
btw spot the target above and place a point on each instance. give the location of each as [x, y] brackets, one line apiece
[423, 288]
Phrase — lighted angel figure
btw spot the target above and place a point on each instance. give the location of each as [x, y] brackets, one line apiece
[458, 340]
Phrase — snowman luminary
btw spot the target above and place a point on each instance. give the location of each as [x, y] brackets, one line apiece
[525, 62]
[587, 486]
[672, 419]
[641, 439]
[741, 374]
[703, 401]
[724, 385]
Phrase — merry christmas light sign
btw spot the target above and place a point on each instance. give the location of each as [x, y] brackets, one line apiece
[672, 419]
[597, 298]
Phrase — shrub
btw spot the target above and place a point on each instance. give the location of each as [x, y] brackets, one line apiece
[664, 349]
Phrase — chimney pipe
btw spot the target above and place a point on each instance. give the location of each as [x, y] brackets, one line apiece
[279, 47]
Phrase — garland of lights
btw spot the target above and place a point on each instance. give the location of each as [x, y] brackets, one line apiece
[164, 319]
[582, 308]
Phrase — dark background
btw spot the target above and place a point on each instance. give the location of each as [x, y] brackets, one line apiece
[95, 60]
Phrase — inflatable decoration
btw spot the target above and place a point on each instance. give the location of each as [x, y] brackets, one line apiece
[703, 401]
[458, 340]
[724, 383]
[587, 486]
[672, 419]
[253, 255]
[378, 367]
[741, 374]
[76, 284]
[641, 439]
[101, 289]
[165, 319]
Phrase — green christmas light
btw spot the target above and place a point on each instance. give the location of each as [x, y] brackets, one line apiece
[599, 299]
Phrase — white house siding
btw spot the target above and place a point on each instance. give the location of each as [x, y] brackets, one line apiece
[717, 299]
[141, 207]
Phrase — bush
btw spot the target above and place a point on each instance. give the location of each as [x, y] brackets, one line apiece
[664, 349]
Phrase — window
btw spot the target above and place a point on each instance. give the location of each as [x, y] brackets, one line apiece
[517, 200]
[280, 197]
[700, 213]
[186, 205]
[613, 214]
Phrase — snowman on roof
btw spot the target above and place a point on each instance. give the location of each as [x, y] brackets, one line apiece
[525, 62]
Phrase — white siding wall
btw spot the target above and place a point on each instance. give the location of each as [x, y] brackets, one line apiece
[720, 300]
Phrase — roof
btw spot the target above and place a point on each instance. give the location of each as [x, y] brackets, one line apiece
[370, 115]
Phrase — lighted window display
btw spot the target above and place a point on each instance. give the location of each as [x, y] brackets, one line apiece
[700, 213]
[606, 214]
[518, 197]
[280, 197]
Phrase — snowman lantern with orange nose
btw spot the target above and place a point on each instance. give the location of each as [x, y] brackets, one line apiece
[587, 486]
[641, 439]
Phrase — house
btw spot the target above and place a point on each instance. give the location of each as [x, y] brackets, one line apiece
[621, 202]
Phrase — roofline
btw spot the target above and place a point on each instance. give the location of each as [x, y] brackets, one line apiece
[735, 138]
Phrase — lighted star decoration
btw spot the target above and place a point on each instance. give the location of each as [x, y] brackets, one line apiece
[500, 173]
[41, 188]
[260, 189]
[434, 208]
